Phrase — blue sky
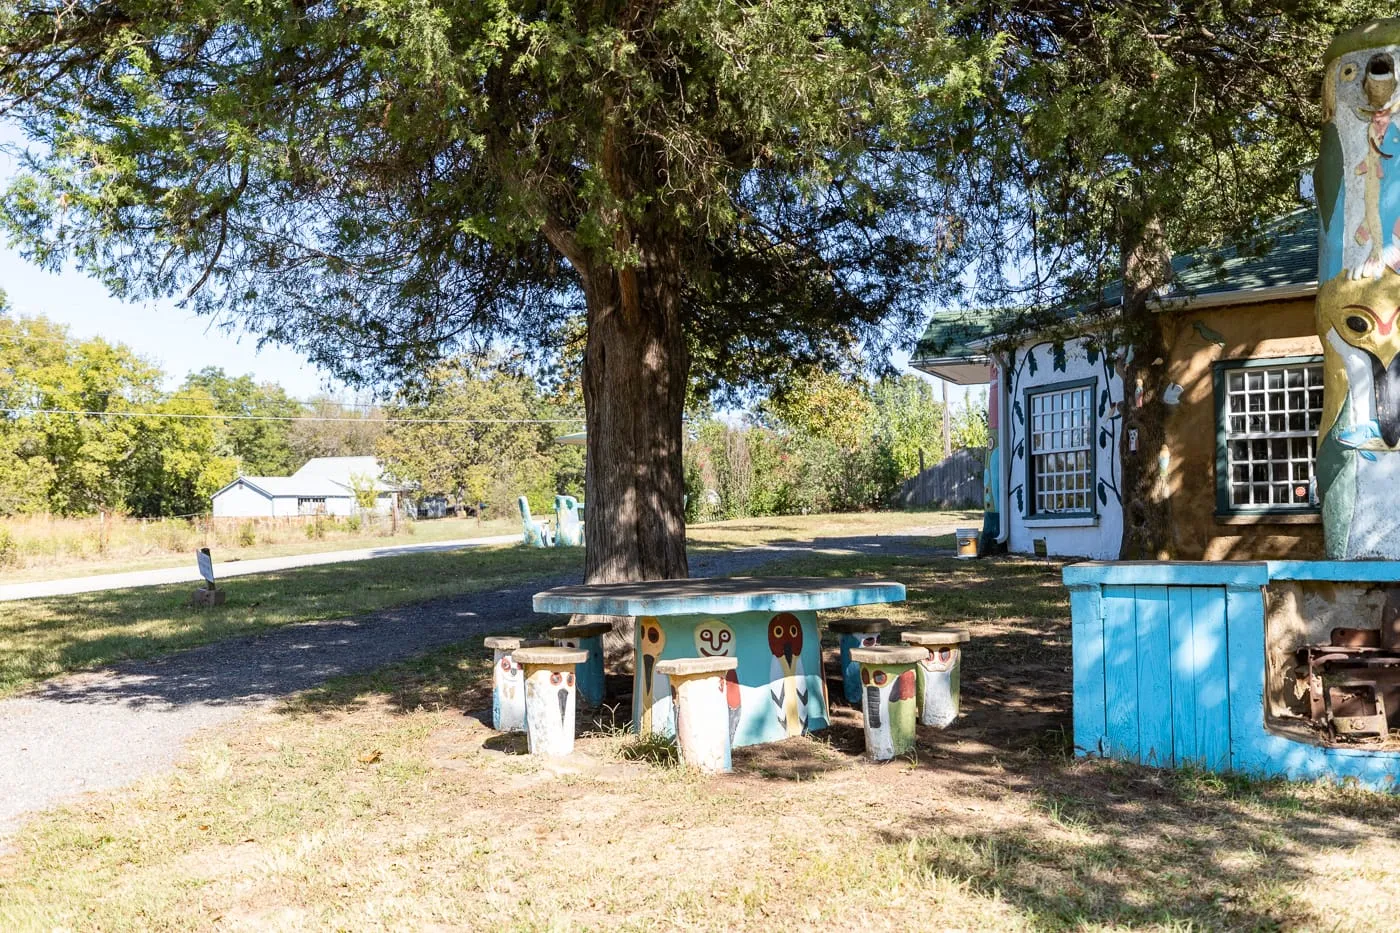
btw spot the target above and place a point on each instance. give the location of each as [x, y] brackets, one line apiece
[173, 338]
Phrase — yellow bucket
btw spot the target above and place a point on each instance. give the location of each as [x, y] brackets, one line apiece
[967, 543]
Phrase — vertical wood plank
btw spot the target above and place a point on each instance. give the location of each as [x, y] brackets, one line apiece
[1180, 603]
[1154, 677]
[1244, 650]
[1120, 672]
[1090, 722]
[1210, 641]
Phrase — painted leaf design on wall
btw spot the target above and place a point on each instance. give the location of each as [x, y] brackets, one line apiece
[1103, 439]
[1018, 450]
[1057, 356]
[1030, 361]
[1011, 360]
[1016, 410]
[1103, 402]
[1020, 503]
[1103, 492]
[1091, 352]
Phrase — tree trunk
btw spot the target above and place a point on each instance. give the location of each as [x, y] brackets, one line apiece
[1146, 266]
[635, 371]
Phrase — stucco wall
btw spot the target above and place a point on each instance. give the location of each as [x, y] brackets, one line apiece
[1041, 365]
[1194, 339]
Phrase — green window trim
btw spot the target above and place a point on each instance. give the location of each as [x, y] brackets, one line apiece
[1091, 383]
[1219, 370]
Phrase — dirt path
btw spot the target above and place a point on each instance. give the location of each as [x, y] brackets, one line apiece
[107, 728]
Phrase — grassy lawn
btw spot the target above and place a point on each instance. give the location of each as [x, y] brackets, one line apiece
[40, 638]
[423, 532]
[374, 802]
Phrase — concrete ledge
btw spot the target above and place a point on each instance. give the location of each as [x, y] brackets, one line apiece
[1167, 573]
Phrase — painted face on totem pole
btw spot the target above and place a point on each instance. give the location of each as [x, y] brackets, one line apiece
[714, 639]
[1363, 83]
[1359, 321]
[785, 637]
[939, 659]
[653, 643]
[885, 685]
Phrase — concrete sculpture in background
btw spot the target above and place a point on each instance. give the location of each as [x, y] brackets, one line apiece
[1358, 301]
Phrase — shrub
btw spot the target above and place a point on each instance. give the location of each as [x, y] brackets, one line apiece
[9, 550]
[247, 534]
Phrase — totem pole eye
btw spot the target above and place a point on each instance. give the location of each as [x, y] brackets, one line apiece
[1348, 72]
[777, 631]
[571, 680]
[880, 678]
[1358, 324]
[723, 636]
[653, 634]
[792, 630]
[555, 677]
[865, 676]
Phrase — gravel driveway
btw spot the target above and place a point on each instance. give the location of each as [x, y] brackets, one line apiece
[104, 729]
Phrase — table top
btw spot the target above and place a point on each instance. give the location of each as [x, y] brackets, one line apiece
[717, 596]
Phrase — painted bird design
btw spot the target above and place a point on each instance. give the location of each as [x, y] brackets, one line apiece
[885, 687]
[787, 679]
[653, 642]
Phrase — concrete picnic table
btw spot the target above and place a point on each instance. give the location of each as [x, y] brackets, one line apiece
[768, 625]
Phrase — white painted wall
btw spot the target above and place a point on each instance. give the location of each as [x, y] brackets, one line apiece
[242, 501]
[1042, 365]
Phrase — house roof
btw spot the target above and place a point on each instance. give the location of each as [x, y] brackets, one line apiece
[305, 487]
[1284, 259]
[344, 470]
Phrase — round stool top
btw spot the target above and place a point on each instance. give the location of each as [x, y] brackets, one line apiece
[857, 626]
[888, 654]
[512, 642]
[549, 654]
[581, 630]
[935, 636]
[689, 667]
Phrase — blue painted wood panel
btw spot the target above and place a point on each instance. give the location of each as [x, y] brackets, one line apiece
[1210, 660]
[1090, 722]
[1121, 671]
[1183, 675]
[1153, 677]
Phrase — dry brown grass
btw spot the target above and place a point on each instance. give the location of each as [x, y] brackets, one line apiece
[384, 802]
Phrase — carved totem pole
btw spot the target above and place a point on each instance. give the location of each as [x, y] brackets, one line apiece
[1358, 299]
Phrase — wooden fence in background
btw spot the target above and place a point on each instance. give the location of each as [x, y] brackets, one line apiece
[953, 484]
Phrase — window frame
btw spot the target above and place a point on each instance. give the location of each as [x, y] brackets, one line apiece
[1091, 383]
[1220, 370]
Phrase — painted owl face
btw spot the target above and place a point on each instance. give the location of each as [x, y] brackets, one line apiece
[653, 637]
[785, 636]
[714, 639]
[1365, 81]
[938, 660]
[869, 640]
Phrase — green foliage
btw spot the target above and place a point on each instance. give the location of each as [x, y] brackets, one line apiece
[51, 460]
[365, 490]
[826, 443]
[247, 534]
[969, 427]
[506, 450]
[262, 448]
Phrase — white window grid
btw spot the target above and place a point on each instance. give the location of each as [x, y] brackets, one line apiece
[1271, 419]
[1062, 460]
[311, 505]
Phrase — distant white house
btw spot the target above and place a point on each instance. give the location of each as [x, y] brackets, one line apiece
[324, 486]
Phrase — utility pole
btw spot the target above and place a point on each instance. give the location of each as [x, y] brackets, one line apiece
[947, 423]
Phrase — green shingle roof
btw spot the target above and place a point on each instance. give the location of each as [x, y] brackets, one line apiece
[1286, 255]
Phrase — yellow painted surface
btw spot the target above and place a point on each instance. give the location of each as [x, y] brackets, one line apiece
[1274, 329]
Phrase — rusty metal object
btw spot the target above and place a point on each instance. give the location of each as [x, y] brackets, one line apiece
[1373, 723]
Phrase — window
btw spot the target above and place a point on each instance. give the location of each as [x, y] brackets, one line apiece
[1061, 458]
[311, 505]
[1269, 412]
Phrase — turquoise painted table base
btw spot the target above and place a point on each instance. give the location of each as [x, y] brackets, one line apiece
[769, 626]
[1169, 668]
[773, 695]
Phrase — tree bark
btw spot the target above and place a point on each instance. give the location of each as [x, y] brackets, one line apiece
[1146, 266]
[635, 371]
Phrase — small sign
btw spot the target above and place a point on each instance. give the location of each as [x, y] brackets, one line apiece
[206, 565]
[1041, 550]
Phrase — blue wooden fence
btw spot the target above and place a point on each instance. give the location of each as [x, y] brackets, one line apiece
[1169, 662]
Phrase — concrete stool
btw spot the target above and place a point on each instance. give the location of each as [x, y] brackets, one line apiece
[550, 697]
[702, 709]
[855, 633]
[940, 673]
[887, 673]
[589, 637]
[508, 683]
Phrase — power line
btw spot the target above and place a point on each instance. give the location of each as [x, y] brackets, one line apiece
[201, 417]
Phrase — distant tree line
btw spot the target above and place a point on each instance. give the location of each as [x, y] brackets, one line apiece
[71, 443]
[824, 443]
